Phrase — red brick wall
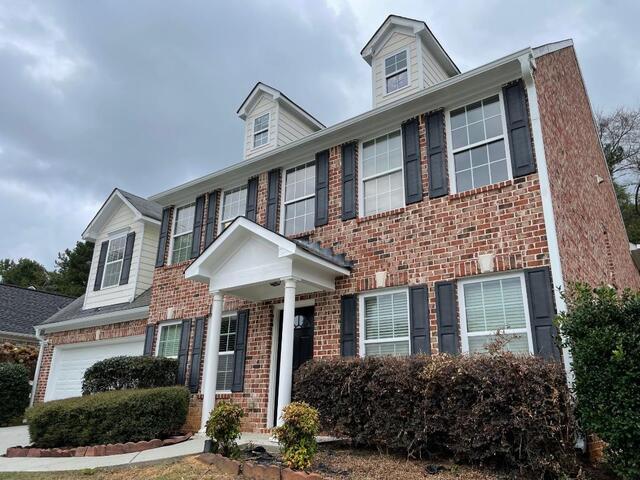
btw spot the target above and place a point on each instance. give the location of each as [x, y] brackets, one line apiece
[591, 235]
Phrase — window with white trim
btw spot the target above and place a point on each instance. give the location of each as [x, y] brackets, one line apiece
[113, 262]
[395, 71]
[183, 233]
[385, 323]
[225, 357]
[234, 205]
[169, 340]
[493, 306]
[261, 130]
[479, 148]
[300, 198]
[382, 181]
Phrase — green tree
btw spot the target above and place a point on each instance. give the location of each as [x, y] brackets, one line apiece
[72, 270]
[25, 273]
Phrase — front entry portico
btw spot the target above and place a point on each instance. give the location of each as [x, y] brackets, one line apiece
[253, 263]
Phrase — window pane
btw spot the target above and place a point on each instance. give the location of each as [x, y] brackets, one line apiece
[464, 180]
[261, 138]
[481, 176]
[479, 156]
[235, 204]
[169, 343]
[476, 132]
[499, 171]
[493, 126]
[386, 316]
[228, 333]
[387, 348]
[458, 118]
[224, 379]
[261, 123]
[517, 343]
[496, 151]
[462, 160]
[112, 274]
[382, 155]
[459, 137]
[116, 249]
[299, 216]
[181, 248]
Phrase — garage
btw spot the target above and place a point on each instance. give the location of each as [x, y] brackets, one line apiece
[69, 363]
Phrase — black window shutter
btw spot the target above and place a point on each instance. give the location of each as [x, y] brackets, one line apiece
[185, 332]
[349, 181]
[419, 319]
[198, 218]
[517, 119]
[196, 356]
[412, 167]
[126, 260]
[273, 191]
[164, 234]
[210, 228]
[437, 163]
[542, 311]
[322, 188]
[348, 325]
[100, 269]
[252, 199]
[240, 351]
[447, 317]
[149, 334]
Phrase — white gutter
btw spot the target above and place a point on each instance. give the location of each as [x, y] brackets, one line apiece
[34, 384]
[97, 320]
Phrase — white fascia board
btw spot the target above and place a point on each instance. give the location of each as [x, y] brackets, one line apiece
[95, 320]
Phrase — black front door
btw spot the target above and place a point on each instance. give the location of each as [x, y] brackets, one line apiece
[302, 343]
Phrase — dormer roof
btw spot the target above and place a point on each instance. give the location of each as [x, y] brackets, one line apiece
[278, 96]
[417, 27]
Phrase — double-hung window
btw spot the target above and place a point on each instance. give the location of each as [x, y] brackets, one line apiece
[234, 204]
[382, 174]
[300, 199]
[261, 130]
[169, 340]
[491, 307]
[395, 71]
[183, 233]
[385, 323]
[113, 263]
[478, 144]
[225, 357]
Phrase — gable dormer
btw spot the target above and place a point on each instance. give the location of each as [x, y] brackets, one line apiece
[405, 58]
[272, 120]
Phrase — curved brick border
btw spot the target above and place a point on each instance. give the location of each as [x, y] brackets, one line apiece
[95, 450]
[254, 471]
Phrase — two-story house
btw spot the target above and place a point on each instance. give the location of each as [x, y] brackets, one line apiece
[453, 209]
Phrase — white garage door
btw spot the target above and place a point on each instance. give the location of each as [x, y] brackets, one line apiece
[70, 362]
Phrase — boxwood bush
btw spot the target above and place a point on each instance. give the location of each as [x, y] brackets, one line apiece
[511, 411]
[118, 373]
[14, 391]
[109, 417]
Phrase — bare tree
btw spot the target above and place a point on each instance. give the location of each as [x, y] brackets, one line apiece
[619, 133]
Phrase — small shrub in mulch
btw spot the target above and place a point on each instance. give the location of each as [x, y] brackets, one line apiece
[223, 427]
[297, 435]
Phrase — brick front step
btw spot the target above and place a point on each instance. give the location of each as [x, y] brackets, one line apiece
[95, 450]
[254, 471]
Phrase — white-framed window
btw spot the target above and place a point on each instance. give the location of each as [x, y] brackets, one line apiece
[381, 166]
[384, 323]
[489, 305]
[182, 233]
[168, 344]
[299, 198]
[225, 357]
[234, 204]
[478, 144]
[261, 130]
[396, 71]
[113, 262]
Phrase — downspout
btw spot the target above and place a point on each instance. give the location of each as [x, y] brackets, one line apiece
[34, 385]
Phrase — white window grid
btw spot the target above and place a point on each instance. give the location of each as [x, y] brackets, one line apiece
[226, 350]
[362, 323]
[261, 130]
[163, 327]
[394, 66]
[182, 226]
[234, 204]
[292, 201]
[113, 262]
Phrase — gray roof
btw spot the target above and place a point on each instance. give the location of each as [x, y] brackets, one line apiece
[147, 208]
[74, 310]
[22, 308]
[339, 259]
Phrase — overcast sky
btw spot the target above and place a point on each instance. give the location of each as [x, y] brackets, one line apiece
[142, 94]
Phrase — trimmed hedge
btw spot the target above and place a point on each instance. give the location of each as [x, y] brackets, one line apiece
[511, 411]
[14, 391]
[110, 417]
[126, 372]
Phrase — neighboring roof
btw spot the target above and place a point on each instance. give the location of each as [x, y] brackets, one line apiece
[277, 95]
[421, 29]
[23, 308]
[142, 209]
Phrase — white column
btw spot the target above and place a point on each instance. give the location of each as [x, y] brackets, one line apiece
[286, 348]
[211, 358]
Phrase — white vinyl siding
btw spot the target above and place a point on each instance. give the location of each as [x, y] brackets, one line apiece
[228, 328]
[169, 340]
[290, 127]
[382, 181]
[385, 323]
[299, 198]
[148, 247]
[234, 204]
[264, 106]
[396, 43]
[432, 71]
[113, 261]
[182, 233]
[491, 305]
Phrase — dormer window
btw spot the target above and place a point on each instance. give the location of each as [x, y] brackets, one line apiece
[113, 264]
[261, 130]
[395, 71]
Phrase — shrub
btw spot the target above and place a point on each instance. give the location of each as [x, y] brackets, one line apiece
[14, 391]
[602, 330]
[223, 427]
[119, 373]
[26, 355]
[513, 411]
[297, 435]
[109, 417]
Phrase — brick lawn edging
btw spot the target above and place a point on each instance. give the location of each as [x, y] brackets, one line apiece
[253, 470]
[95, 450]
